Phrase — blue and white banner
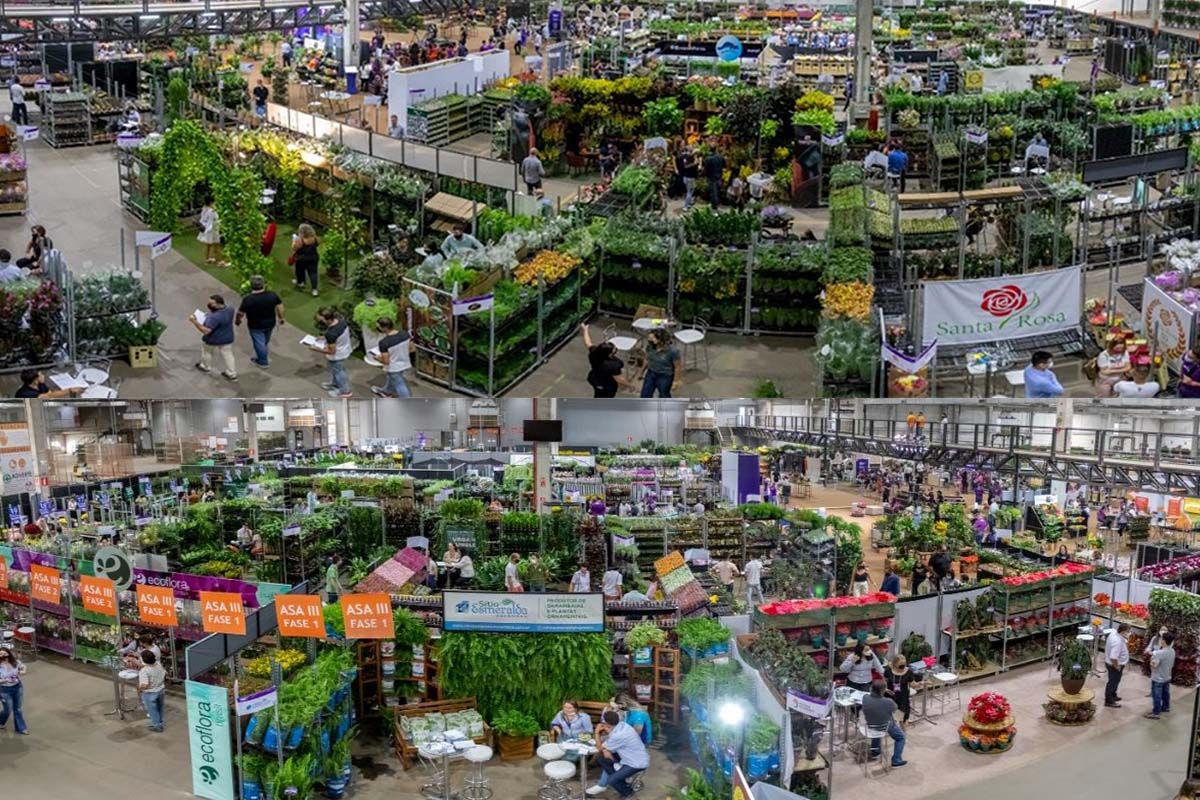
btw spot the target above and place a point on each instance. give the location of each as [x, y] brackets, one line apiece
[258, 701]
[209, 741]
[521, 612]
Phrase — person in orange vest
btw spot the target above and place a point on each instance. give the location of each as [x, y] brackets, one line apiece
[912, 423]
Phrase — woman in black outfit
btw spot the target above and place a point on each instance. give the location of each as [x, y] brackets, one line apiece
[305, 257]
[605, 376]
[919, 574]
[39, 243]
[898, 676]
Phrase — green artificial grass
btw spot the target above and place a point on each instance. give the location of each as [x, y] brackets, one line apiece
[299, 308]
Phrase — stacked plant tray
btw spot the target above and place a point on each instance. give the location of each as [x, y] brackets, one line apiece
[68, 119]
[679, 584]
[443, 120]
[13, 184]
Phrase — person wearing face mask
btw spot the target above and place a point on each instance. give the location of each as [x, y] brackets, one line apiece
[460, 242]
[216, 334]
[1040, 380]
[1111, 366]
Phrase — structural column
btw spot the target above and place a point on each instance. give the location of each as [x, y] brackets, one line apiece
[543, 408]
[250, 420]
[350, 46]
[1064, 420]
[864, 12]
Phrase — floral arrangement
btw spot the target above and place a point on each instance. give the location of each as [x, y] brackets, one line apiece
[548, 265]
[989, 708]
[1062, 571]
[12, 162]
[288, 660]
[800, 606]
[1175, 569]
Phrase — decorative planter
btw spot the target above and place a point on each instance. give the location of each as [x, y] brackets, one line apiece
[271, 738]
[1073, 685]
[514, 748]
[335, 788]
[295, 736]
[980, 737]
[643, 656]
[1070, 709]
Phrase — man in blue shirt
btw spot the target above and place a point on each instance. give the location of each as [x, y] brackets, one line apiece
[1040, 381]
[898, 164]
[891, 581]
[9, 272]
[622, 754]
[217, 335]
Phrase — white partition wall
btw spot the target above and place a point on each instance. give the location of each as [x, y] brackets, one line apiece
[465, 76]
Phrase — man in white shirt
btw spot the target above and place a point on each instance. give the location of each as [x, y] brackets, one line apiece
[581, 581]
[16, 93]
[611, 584]
[753, 573]
[512, 581]
[1140, 386]
[9, 272]
[466, 570]
[622, 754]
[395, 129]
[1116, 656]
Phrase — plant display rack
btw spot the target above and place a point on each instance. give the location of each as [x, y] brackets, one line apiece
[443, 120]
[134, 178]
[106, 313]
[68, 119]
[661, 677]
[664, 614]
[14, 182]
[828, 630]
[1048, 606]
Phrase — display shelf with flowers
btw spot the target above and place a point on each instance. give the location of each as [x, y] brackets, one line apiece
[1180, 612]
[1175, 570]
[988, 726]
[791, 614]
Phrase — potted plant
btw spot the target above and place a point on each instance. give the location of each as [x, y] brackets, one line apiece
[641, 640]
[1074, 663]
[142, 341]
[294, 780]
[842, 632]
[515, 732]
[333, 766]
[252, 766]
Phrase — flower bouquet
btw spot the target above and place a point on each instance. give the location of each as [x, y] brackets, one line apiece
[989, 708]
[988, 724]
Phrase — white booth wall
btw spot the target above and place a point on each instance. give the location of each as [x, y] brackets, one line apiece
[465, 76]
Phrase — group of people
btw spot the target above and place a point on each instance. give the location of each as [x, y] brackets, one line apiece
[1159, 650]
[621, 738]
[661, 372]
[262, 311]
[30, 264]
[1114, 374]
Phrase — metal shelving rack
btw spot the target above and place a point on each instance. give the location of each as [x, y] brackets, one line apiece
[1007, 614]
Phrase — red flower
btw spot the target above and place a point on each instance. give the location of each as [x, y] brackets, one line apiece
[1005, 301]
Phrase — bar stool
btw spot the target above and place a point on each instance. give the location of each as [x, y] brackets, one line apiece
[475, 785]
[25, 650]
[943, 682]
[557, 774]
[868, 734]
[552, 790]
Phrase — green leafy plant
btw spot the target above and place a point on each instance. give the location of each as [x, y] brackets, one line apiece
[1074, 660]
[637, 182]
[701, 633]
[663, 117]
[645, 634]
[409, 628]
[515, 723]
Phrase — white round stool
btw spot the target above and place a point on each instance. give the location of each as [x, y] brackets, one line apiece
[550, 752]
[475, 785]
[557, 774]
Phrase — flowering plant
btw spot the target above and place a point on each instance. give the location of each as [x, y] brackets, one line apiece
[800, 606]
[1061, 571]
[1101, 599]
[989, 708]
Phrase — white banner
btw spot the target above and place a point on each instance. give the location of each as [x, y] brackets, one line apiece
[1166, 322]
[909, 364]
[999, 309]
[469, 305]
[523, 612]
[259, 701]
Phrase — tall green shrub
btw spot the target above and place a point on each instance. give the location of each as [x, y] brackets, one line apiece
[528, 672]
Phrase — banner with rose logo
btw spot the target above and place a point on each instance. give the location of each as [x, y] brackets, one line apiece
[1000, 309]
[1167, 321]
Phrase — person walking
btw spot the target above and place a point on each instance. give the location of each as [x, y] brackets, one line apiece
[581, 581]
[16, 93]
[261, 310]
[333, 583]
[395, 354]
[11, 691]
[1116, 656]
[305, 257]
[1189, 373]
[532, 171]
[689, 170]
[752, 572]
[210, 234]
[663, 366]
[714, 173]
[336, 346]
[1162, 663]
[216, 337]
[261, 93]
[152, 689]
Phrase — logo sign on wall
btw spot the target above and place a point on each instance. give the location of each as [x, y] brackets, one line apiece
[1000, 309]
[113, 563]
[16, 458]
[1167, 321]
[729, 48]
[208, 738]
[523, 613]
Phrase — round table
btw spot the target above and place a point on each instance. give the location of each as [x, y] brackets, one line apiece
[647, 324]
[335, 96]
[444, 751]
[93, 376]
[1070, 709]
[584, 751]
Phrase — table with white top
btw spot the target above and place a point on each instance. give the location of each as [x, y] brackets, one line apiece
[647, 324]
[845, 700]
[584, 751]
[335, 96]
[440, 751]
[123, 678]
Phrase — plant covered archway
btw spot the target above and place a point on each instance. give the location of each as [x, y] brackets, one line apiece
[191, 156]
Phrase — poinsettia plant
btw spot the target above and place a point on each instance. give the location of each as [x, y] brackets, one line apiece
[989, 708]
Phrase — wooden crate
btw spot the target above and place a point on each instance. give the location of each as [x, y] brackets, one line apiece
[407, 751]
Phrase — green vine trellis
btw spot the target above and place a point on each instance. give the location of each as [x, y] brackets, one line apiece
[190, 156]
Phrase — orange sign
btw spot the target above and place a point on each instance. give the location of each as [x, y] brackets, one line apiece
[45, 584]
[3, 573]
[99, 595]
[1174, 506]
[156, 606]
[300, 615]
[222, 612]
[368, 616]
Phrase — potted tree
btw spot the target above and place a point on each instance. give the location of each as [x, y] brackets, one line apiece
[515, 732]
[1074, 663]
